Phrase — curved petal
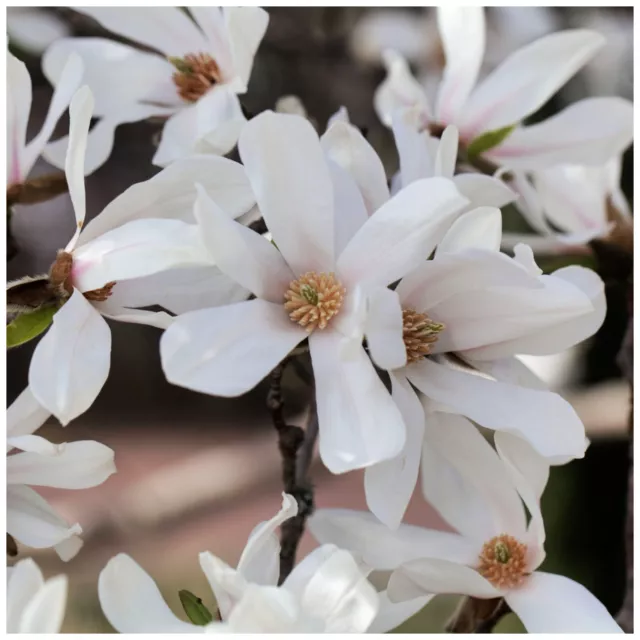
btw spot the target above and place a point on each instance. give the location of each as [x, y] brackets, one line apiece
[45, 611]
[211, 22]
[158, 319]
[547, 421]
[18, 108]
[480, 228]
[393, 614]
[484, 190]
[383, 329]
[24, 582]
[547, 603]
[25, 415]
[226, 351]
[359, 422]
[290, 178]
[242, 254]
[389, 485]
[78, 348]
[447, 154]
[132, 603]
[228, 584]
[527, 79]
[405, 230]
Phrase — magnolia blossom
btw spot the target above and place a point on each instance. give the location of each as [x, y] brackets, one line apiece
[590, 131]
[201, 60]
[33, 604]
[22, 156]
[496, 554]
[34, 461]
[326, 592]
[330, 254]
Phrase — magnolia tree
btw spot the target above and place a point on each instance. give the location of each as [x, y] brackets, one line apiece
[393, 288]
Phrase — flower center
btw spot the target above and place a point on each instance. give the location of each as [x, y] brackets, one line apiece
[60, 280]
[503, 561]
[419, 332]
[195, 74]
[313, 299]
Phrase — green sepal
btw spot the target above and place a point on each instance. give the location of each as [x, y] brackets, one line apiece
[30, 325]
[489, 140]
[195, 610]
[180, 64]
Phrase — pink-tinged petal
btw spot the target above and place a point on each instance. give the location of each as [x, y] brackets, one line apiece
[398, 90]
[292, 184]
[527, 79]
[548, 603]
[226, 351]
[447, 154]
[132, 603]
[358, 420]
[389, 485]
[77, 347]
[346, 146]
[484, 190]
[462, 30]
[24, 582]
[480, 228]
[383, 329]
[45, 612]
[588, 132]
[242, 254]
[166, 29]
[405, 230]
[544, 419]
[25, 415]
[393, 614]
[18, 108]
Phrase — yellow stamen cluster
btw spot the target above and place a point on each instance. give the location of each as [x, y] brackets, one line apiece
[313, 299]
[195, 75]
[503, 561]
[419, 333]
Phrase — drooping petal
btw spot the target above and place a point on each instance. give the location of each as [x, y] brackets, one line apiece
[292, 184]
[480, 228]
[226, 351]
[45, 612]
[24, 581]
[389, 485]
[405, 230]
[77, 347]
[25, 415]
[18, 108]
[242, 254]
[543, 418]
[359, 422]
[393, 614]
[484, 190]
[132, 603]
[383, 329]
[548, 603]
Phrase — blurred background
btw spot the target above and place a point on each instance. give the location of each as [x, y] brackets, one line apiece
[198, 473]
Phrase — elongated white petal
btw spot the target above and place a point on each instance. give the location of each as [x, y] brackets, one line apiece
[383, 329]
[34, 444]
[547, 603]
[132, 603]
[18, 108]
[542, 418]
[226, 351]
[77, 347]
[242, 254]
[480, 228]
[227, 583]
[447, 154]
[393, 614]
[389, 485]
[416, 149]
[45, 612]
[484, 190]
[405, 230]
[359, 422]
[24, 582]
[159, 319]
[292, 184]
[527, 79]
[212, 23]
[25, 414]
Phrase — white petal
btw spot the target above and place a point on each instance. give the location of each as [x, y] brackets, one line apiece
[484, 190]
[158, 319]
[132, 603]
[381, 548]
[589, 132]
[34, 444]
[268, 610]
[77, 347]
[292, 184]
[480, 228]
[398, 90]
[389, 485]
[211, 22]
[76, 465]
[359, 422]
[68, 548]
[542, 418]
[462, 31]
[346, 146]
[242, 254]
[226, 351]
[393, 614]
[383, 329]
[445, 162]
[18, 108]
[228, 584]
[547, 603]
[45, 612]
[527, 79]
[405, 230]
[33, 30]
[24, 582]
[25, 414]
[415, 146]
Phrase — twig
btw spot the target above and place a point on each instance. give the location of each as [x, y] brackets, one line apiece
[476, 615]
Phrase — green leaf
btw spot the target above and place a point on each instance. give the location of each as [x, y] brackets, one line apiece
[195, 610]
[489, 140]
[28, 326]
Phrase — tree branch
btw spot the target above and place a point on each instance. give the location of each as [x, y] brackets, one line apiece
[476, 615]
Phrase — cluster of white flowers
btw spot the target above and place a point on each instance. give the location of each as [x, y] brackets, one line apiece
[413, 318]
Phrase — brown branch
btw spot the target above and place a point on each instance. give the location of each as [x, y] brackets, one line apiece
[37, 190]
[476, 615]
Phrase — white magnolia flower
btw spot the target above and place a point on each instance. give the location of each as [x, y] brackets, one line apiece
[330, 254]
[495, 554]
[22, 156]
[33, 604]
[201, 61]
[326, 592]
[34, 461]
[588, 132]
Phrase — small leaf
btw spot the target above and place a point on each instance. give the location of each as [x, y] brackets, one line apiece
[195, 610]
[28, 326]
[489, 140]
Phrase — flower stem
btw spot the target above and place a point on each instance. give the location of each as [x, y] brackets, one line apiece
[476, 615]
